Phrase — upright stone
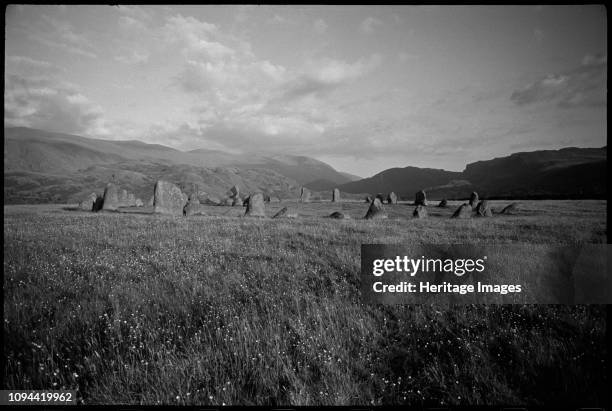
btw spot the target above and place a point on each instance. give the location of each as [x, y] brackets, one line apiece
[376, 210]
[169, 199]
[111, 197]
[420, 198]
[335, 195]
[464, 211]
[443, 203]
[368, 199]
[483, 209]
[237, 201]
[392, 198]
[305, 195]
[139, 202]
[474, 200]
[151, 201]
[256, 206]
[131, 200]
[123, 199]
[420, 212]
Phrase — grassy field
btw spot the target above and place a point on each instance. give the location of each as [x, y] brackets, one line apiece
[145, 309]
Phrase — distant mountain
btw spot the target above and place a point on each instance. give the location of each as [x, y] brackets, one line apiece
[566, 173]
[41, 166]
[403, 181]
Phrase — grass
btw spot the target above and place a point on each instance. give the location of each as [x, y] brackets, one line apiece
[140, 309]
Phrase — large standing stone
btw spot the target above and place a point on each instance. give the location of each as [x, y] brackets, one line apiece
[305, 195]
[376, 210]
[474, 200]
[88, 203]
[193, 207]
[392, 198]
[443, 203]
[285, 213]
[420, 198]
[169, 199]
[483, 209]
[335, 195]
[256, 206]
[111, 197]
[420, 212]
[464, 211]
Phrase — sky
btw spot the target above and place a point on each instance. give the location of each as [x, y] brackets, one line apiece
[363, 88]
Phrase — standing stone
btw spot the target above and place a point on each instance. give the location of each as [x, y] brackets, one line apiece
[474, 200]
[236, 201]
[193, 207]
[305, 195]
[392, 198]
[335, 195]
[464, 211]
[234, 192]
[256, 206]
[420, 212]
[229, 202]
[376, 210]
[284, 213]
[131, 200]
[483, 209]
[151, 201]
[98, 204]
[169, 199]
[266, 198]
[111, 197]
[139, 202]
[443, 203]
[88, 203]
[368, 199]
[420, 198]
[510, 209]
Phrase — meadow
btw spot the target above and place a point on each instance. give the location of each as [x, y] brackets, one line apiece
[134, 308]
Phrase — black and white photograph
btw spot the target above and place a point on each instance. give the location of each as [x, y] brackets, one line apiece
[305, 205]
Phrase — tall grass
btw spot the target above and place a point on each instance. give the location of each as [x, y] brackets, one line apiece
[143, 309]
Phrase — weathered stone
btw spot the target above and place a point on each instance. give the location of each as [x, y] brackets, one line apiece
[237, 201]
[420, 198]
[339, 216]
[229, 201]
[443, 203]
[473, 200]
[510, 209]
[151, 201]
[234, 192]
[376, 210]
[335, 195]
[169, 199]
[483, 209]
[266, 198]
[256, 206]
[420, 212]
[285, 213]
[111, 197]
[88, 203]
[131, 200]
[464, 211]
[392, 198]
[305, 195]
[139, 202]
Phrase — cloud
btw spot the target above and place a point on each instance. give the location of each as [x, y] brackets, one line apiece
[369, 24]
[404, 57]
[135, 57]
[581, 86]
[60, 34]
[320, 26]
[49, 104]
[29, 66]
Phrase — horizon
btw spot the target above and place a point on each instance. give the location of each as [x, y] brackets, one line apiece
[361, 88]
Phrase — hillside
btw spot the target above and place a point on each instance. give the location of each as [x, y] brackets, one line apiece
[566, 173]
[41, 167]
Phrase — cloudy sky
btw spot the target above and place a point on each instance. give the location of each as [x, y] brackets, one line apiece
[363, 88]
